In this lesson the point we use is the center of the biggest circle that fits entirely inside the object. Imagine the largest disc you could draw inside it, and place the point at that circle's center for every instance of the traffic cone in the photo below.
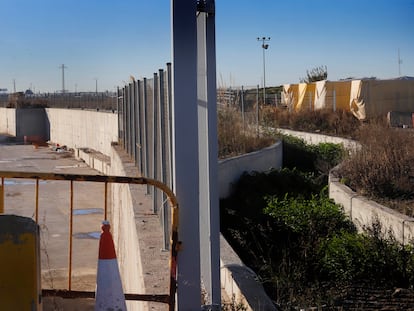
(109, 293)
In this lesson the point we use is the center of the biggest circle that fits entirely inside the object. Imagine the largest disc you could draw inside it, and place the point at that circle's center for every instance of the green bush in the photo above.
(370, 258)
(320, 158)
(301, 244)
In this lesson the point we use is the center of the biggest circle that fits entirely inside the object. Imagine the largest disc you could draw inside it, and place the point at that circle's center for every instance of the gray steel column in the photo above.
(162, 172)
(208, 155)
(155, 145)
(147, 132)
(185, 150)
(139, 126)
(134, 125)
(169, 127)
(124, 118)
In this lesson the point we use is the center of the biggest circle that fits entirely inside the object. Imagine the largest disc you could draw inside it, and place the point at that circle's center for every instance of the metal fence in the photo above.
(78, 100)
(168, 298)
(145, 127)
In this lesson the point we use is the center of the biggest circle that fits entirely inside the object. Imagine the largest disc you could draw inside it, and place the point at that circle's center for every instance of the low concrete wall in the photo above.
(364, 212)
(8, 121)
(73, 128)
(231, 169)
(83, 128)
(314, 139)
(240, 282)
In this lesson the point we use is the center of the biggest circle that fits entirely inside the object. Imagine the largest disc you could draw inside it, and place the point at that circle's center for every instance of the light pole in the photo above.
(265, 46)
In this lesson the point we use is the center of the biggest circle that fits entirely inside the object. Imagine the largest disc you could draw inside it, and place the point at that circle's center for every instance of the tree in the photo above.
(315, 74)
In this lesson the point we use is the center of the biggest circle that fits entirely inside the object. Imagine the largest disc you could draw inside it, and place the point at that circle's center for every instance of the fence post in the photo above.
(207, 155)
(155, 141)
(185, 150)
(242, 106)
(133, 121)
(257, 111)
(139, 127)
(163, 127)
(147, 127)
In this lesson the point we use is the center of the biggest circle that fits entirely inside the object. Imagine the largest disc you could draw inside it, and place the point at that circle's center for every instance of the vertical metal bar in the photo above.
(208, 150)
(130, 127)
(138, 127)
(146, 143)
(2, 196)
(155, 139)
(133, 121)
(106, 201)
(37, 201)
(169, 126)
(124, 116)
(162, 173)
(242, 107)
(257, 111)
(119, 114)
(185, 137)
(70, 236)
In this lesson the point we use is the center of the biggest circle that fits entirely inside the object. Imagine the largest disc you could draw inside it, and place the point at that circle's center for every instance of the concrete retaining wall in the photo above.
(231, 169)
(364, 212)
(124, 229)
(8, 121)
(73, 128)
(83, 128)
(314, 139)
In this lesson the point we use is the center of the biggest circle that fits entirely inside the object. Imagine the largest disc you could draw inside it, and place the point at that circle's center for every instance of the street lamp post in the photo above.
(265, 46)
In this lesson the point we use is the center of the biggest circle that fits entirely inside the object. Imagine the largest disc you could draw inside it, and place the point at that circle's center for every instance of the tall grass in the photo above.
(236, 136)
(383, 168)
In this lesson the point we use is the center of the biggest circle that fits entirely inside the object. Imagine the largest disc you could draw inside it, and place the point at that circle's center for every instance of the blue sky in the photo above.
(111, 40)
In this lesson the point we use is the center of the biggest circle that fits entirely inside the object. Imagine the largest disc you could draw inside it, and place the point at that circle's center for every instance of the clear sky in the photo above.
(111, 40)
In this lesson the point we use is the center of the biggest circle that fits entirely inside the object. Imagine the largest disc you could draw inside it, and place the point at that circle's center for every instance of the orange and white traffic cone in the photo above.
(109, 293)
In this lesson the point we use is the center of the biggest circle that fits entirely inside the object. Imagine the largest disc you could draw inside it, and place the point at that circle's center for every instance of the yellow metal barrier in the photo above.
(174, 243)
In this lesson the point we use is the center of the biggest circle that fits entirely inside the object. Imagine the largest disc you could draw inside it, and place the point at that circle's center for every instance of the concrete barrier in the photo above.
(364, 212)
(230, 170)
(240, 282)
(315, 139)
(8, 121)
(83, 129)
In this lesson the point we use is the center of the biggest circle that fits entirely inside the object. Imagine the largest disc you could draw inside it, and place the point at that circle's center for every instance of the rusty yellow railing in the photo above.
(174, 244)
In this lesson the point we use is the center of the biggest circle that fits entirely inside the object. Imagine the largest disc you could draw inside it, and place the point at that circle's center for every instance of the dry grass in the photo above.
(237, 137)
(340, 123)
(384, 167)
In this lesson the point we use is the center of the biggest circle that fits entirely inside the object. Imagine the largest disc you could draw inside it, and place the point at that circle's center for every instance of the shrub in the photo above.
(319, 158)
(383, 167)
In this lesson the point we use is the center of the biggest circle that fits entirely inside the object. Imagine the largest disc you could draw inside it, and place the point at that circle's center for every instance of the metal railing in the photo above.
(174, 244)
